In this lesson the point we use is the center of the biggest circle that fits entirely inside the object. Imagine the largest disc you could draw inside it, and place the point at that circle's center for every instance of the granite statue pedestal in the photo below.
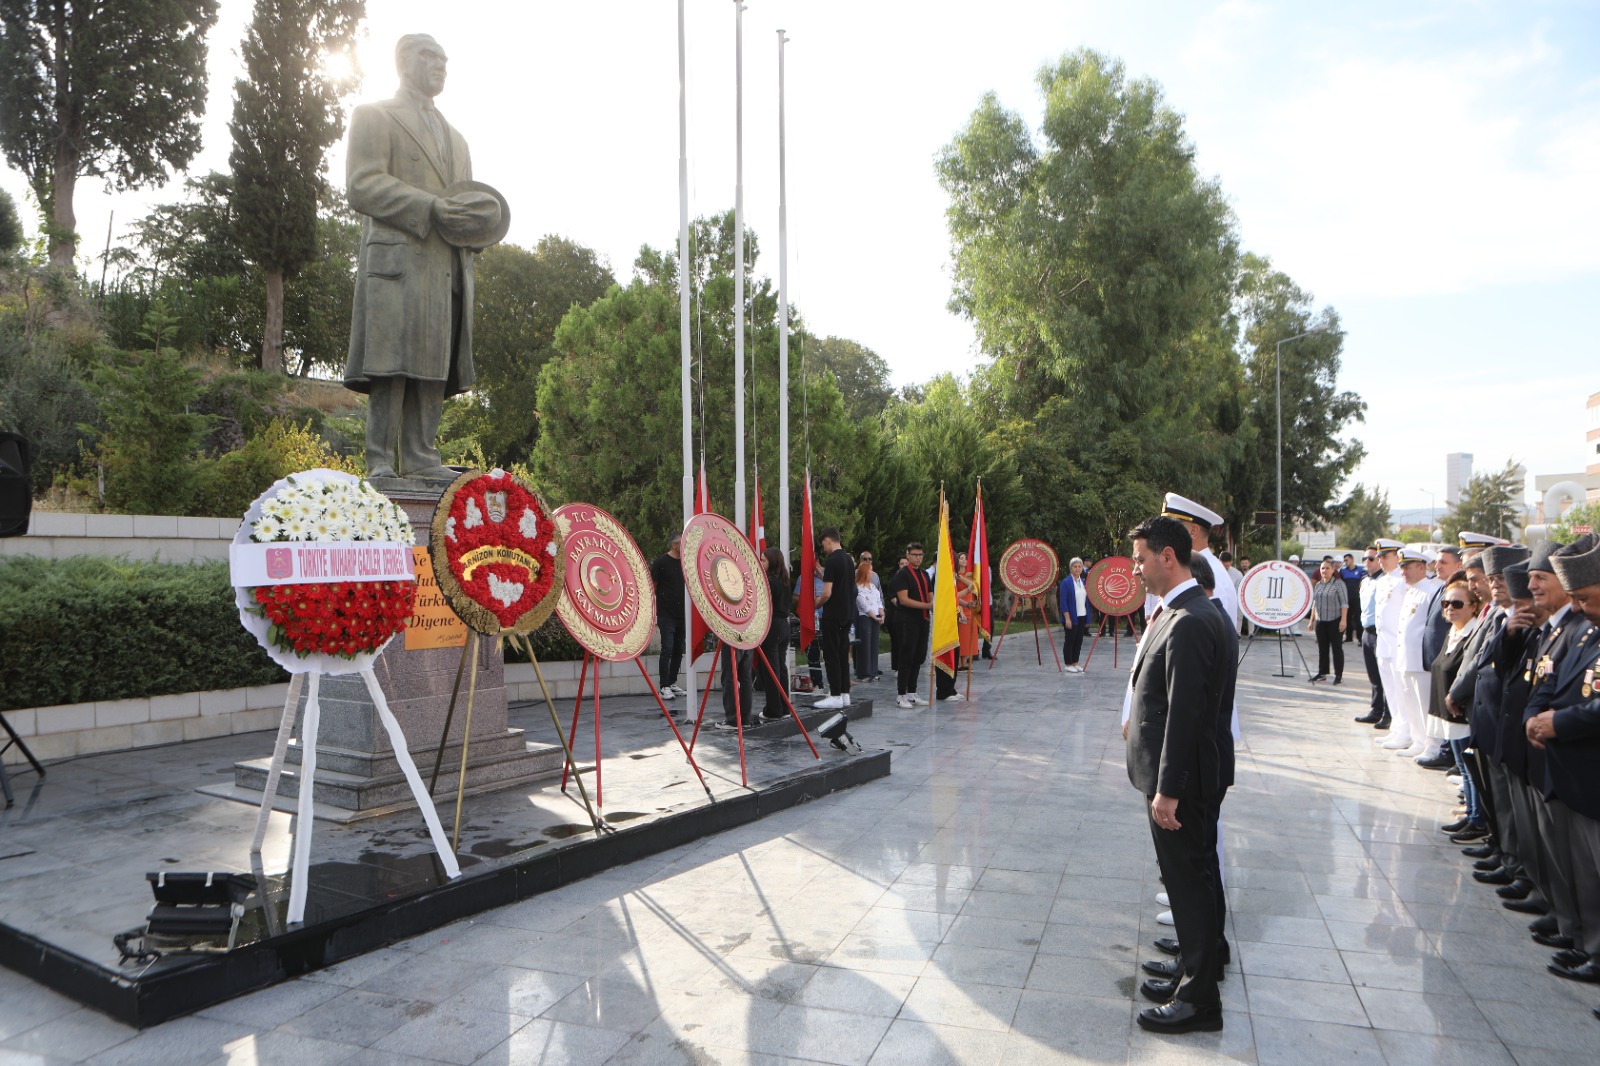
(357, 773)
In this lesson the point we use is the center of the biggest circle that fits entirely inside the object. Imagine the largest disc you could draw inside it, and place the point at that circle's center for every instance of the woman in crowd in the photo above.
(1329, 611)
(869, 622)
(772, 681)
(1072, 597)
(1460, 606)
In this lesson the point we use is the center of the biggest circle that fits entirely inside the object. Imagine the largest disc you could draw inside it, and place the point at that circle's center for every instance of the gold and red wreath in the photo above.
(503, 553)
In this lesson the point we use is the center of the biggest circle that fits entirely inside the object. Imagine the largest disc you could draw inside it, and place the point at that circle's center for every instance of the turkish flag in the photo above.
(698, 630)
(808, 570)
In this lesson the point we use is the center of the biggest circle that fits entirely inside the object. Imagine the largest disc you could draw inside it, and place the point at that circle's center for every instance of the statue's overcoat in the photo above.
(407, 276)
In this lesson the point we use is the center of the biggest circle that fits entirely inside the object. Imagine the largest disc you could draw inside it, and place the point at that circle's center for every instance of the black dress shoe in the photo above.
(1382, 723)
(1442, 761)
(1456, 826)
(1319, 677)
(1521, 888)
(1470, 833)
(1570, 957)
(1370, 717)
(1497, 876)
(1491, 863)
(1167, 944)
(1166, 969)
(1523, 906)
(1589, 972)
(1182, 1017)
(1486, 850)
(1159, 989)
(1553, 940)
(1546, 925)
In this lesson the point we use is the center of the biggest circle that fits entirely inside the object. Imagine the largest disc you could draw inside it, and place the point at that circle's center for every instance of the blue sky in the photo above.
(1428, 169)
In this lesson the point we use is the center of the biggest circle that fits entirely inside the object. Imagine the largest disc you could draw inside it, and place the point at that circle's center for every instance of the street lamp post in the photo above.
(1432, 503)
(1277, 373)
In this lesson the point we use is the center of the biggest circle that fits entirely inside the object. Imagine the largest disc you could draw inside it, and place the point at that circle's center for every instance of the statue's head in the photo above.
(421, 62)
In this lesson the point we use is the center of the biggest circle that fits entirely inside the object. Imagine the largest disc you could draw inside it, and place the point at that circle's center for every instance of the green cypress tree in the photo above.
(286, 113)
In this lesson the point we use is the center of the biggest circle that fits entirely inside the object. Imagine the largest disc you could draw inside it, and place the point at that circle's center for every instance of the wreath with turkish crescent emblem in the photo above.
(1028, 567)
(608, 602)
(725, 581)
(502, 549)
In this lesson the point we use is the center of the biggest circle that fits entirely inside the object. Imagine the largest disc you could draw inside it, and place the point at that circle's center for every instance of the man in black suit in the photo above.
(1563, 722)
(1179, 679)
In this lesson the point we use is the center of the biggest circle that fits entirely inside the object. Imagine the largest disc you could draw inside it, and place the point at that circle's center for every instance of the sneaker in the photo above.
(904, 703)
(669, 693)
(1396, 744)
(954, 697)
(846, 698)
(1163, 899)
(832, 703)
(1165, 918)
(918, 700)
(1074, 669)
(1416, 750)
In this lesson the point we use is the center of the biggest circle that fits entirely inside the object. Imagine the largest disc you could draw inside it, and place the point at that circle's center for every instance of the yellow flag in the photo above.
(946, 630)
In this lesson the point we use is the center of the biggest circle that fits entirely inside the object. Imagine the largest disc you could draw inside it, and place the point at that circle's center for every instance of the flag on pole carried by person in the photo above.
(978, 555)
(808, 567)
(946, 627)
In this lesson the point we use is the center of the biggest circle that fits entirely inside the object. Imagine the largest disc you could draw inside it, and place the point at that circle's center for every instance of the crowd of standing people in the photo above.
(1482, 660)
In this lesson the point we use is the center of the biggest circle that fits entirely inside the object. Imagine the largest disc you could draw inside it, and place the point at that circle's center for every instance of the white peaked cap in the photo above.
(1185, 509)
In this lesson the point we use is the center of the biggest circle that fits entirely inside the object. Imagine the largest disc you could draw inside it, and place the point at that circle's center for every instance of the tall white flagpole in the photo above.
(738, 271)
(783, 318)
(683, 331)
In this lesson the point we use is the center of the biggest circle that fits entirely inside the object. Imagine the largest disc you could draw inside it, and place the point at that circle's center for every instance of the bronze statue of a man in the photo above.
(409, 173)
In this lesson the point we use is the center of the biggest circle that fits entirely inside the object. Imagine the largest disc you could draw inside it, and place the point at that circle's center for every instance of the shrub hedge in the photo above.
(81, 629)
(87, 628)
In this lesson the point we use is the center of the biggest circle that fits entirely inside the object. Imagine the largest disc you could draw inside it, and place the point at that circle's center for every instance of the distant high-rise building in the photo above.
(1457, 472)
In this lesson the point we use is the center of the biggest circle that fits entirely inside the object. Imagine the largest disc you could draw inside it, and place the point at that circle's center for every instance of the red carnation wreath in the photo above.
(309, 620)
(503, 553)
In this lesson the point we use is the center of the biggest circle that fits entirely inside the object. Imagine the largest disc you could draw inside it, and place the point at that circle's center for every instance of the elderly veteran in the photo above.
(1480, 688)
(1563, 722)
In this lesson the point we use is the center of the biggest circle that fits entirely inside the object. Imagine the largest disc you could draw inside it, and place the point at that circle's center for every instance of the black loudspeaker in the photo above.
(16, 484)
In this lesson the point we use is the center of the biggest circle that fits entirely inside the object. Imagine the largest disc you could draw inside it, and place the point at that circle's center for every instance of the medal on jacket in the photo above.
(1546, 665)
(1588, 683)
(1527, 669)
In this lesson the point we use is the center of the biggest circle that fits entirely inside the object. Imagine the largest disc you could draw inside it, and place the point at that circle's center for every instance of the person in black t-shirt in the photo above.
(912, 594)
(838, 604)
(666, 573)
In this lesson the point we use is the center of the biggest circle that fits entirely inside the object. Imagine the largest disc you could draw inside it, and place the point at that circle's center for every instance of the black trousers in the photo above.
(671, 648)
(1328, 642)
(835, 639)
(772, 682)
(1369, 654)
(1188, 856)
(912, 638)
(1352, 624)
(1072, 642)
(746, 691)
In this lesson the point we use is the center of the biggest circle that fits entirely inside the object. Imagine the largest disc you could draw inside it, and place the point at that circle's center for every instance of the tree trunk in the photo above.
(63, 220)
(272, 339)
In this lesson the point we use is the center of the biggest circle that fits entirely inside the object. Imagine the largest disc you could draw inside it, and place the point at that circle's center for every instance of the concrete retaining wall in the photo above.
(72, 729)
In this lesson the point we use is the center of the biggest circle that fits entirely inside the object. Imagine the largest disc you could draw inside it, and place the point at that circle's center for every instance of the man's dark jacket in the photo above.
(1178, 686)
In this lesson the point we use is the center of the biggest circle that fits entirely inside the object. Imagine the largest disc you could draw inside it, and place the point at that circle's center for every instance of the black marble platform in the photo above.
(75, 850)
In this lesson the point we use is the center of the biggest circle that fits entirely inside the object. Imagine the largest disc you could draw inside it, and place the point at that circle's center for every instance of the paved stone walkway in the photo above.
(988, 903)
